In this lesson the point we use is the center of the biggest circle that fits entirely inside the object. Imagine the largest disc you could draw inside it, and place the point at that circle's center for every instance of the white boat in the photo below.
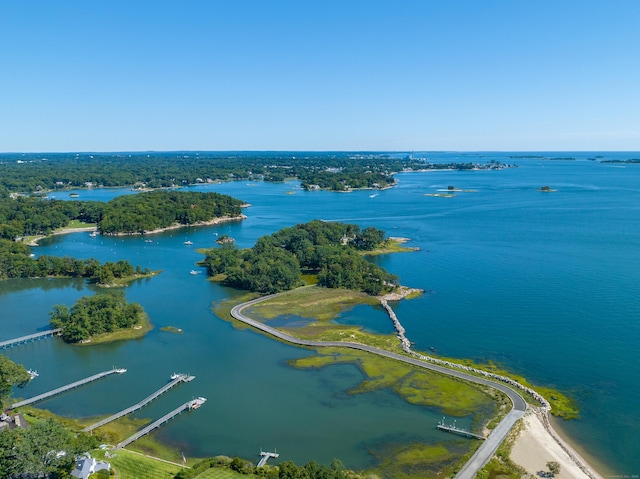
(188, 242)
(175, 376)
(93, 234)
(148, 241)
(193, 271)
(196, 403)
(33, 373)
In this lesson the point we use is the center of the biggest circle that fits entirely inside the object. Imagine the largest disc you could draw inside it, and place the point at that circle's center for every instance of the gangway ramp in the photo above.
(176, 379)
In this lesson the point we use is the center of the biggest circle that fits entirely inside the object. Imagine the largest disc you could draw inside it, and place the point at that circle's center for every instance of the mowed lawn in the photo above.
(223, 474)
(133, 466)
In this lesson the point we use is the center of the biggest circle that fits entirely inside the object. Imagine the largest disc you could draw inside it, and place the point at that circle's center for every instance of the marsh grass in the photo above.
(139, 330)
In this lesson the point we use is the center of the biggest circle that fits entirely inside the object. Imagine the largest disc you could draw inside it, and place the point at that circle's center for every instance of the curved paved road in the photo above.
(488, 447)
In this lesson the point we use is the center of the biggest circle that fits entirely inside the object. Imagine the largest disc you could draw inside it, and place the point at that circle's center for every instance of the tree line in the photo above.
(161, 209)
(16, 262)
(24, 216)
(58, 171)
(285, 470)
(94, 315)
(276, 263)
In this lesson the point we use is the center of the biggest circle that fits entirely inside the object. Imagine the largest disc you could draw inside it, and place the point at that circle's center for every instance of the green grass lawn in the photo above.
(134, 466)
(223, 474)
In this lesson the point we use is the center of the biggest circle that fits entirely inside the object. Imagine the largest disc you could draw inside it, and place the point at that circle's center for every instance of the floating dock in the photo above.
(62, 389)
(176, 379)
(265, 457)
(457, 430)
(189, 405)
(30, 337)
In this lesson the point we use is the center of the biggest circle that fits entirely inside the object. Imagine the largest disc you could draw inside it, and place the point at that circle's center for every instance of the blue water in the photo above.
(546, 284)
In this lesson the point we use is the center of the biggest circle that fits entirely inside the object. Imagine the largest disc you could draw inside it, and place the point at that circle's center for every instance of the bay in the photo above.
(545, 284)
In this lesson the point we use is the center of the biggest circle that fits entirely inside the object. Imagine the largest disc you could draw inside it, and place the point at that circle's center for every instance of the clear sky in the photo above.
(128, 75)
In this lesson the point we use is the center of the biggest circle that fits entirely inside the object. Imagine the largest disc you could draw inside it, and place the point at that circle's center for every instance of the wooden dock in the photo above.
(30, 337)
(62, 389)
(179, 378)
(189, 405)
(266, 456)
(457, 430)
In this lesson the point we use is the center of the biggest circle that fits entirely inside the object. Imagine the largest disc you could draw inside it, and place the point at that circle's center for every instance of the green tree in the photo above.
(554, 467)
(11, 374)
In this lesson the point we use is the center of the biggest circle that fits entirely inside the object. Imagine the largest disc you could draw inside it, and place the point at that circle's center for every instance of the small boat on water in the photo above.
(93, 234)
(33, 373)
(193, 271)
(196, 403)
(175, 376)
(188, 242)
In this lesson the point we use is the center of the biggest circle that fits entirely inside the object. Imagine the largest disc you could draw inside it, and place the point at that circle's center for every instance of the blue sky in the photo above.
(319, 75)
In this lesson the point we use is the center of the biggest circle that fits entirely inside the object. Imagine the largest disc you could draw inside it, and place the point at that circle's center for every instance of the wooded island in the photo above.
(333, 251)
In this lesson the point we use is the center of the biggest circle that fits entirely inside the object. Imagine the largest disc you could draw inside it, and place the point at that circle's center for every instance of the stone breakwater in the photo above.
(406, 347)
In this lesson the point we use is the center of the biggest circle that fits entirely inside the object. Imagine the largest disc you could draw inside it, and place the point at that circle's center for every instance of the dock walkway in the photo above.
(189, 405)
(30, 337)
(62, 389)
(180, 378)
(457, 430)
(265, 457)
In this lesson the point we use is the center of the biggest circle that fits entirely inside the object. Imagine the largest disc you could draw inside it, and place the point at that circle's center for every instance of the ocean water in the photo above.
(545, 284)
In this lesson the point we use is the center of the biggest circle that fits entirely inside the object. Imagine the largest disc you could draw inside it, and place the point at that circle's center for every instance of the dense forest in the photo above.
(30, 216)
(16, 262)
(161, 209)
(277, 262)
(24, 216)
(97, 314)
(31, 172)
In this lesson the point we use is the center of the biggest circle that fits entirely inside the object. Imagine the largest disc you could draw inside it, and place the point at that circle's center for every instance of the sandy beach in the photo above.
(536, 445)
(215, 221)
(34, 241)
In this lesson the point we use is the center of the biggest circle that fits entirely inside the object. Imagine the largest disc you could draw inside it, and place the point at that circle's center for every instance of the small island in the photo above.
(224, 239)
(332, 252)
(100, 318)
